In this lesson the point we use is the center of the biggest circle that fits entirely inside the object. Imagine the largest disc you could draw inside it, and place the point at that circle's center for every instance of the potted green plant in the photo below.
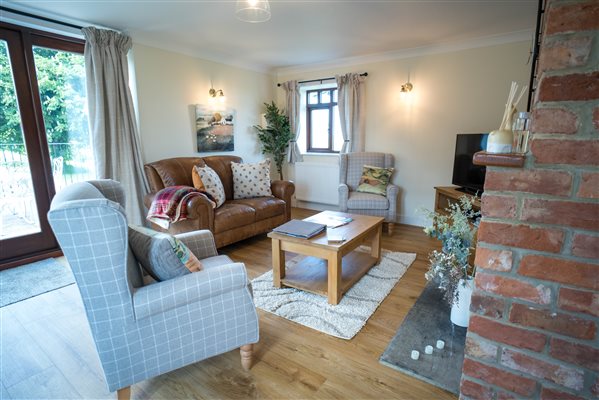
(275, 136)
(450, 267)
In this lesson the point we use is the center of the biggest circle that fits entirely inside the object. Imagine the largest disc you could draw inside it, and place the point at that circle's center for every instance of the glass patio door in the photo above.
(44, 138)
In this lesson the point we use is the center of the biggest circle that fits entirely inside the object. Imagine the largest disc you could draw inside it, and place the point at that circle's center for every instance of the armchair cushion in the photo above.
(162, 256)
(212, 184)
(374, 180)
(251, 180)
(367, 201)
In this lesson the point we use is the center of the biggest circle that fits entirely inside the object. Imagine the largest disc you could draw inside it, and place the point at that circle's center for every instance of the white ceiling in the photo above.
(299, 32)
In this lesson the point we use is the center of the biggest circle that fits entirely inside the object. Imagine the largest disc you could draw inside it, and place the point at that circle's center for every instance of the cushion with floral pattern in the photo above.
(374, 180)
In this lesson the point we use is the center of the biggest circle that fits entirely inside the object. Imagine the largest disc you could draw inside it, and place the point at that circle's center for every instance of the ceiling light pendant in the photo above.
(252, 10)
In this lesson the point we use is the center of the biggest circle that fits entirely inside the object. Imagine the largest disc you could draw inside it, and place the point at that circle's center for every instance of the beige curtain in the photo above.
(112, 118)
(293, 113)
(350, 89)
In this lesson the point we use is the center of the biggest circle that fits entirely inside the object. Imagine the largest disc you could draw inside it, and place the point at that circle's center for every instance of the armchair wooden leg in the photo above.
(246, 356)
(124, 393)
(390, 227)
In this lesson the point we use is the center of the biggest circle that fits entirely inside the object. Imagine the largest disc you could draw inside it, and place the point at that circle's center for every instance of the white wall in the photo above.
(169, 84)
(458, 92)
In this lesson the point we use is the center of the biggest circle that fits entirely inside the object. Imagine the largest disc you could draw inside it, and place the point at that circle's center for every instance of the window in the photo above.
(323, 129)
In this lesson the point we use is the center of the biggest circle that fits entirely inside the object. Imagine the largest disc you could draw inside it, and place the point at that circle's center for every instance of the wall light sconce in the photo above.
(217, 94)
(406, 87)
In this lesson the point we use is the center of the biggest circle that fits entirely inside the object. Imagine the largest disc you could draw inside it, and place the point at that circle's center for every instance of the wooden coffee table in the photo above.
(330, 268)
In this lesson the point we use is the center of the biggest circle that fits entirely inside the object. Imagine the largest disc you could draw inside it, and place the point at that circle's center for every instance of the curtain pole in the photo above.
(321, 79)
(29, 15)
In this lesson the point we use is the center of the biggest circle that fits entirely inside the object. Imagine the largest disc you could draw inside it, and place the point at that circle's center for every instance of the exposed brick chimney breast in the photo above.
(535, 309)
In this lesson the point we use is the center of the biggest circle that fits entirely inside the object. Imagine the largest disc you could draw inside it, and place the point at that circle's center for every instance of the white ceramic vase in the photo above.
(500, 141)
(460, 310)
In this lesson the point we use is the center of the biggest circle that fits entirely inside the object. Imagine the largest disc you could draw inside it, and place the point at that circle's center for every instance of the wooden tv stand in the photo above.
(445, 195)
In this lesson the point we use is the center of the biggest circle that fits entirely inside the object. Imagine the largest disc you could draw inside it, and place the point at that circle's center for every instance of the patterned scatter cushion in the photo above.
(374, 180)
(212, 184)
(162, 256)
(197, 181)
(251, 180)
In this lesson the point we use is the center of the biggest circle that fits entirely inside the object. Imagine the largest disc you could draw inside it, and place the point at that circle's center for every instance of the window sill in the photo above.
(321, 154)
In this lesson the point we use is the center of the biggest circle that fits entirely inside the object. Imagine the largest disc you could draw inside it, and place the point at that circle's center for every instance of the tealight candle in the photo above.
(440, 344)
(415, 355)
(428, 349)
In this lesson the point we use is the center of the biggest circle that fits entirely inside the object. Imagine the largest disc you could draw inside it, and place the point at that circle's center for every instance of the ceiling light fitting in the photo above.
(253, 11)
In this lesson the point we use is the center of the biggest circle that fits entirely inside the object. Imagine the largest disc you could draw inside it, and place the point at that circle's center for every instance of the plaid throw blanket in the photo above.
(170, 205)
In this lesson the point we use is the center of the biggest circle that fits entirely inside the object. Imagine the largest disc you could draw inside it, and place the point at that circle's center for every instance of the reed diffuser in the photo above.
(500, 141)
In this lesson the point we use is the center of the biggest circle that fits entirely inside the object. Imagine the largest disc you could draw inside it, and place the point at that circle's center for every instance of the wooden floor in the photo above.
(47, 350)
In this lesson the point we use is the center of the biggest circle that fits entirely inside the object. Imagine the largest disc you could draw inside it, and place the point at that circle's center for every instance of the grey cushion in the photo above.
(358, 200)
(154, 251)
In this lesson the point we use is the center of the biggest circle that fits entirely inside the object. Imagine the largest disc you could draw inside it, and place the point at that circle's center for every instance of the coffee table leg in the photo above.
(375, 245)
(278, 263)
(334, 278)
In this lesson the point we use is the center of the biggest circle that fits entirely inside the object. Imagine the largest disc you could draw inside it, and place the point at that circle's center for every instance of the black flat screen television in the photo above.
(470, 177)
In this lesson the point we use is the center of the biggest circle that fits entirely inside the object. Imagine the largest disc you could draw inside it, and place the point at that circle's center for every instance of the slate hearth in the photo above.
(425, 323)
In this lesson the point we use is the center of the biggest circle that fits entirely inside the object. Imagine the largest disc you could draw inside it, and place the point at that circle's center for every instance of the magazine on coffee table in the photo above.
(331, 221)
(301, 229)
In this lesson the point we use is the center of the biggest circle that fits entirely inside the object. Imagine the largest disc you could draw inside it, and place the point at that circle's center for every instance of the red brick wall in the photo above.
(534, 316)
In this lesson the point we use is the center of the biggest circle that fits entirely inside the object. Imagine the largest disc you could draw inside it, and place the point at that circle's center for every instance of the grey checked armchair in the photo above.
(142, 331)
(350, 201)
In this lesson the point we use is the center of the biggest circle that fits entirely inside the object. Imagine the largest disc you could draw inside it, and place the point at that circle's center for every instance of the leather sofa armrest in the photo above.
(148, 198)
(200, 208)
(200, 215)
(283, 190)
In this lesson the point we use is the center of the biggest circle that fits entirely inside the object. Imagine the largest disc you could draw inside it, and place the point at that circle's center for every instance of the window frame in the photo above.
(320, 106)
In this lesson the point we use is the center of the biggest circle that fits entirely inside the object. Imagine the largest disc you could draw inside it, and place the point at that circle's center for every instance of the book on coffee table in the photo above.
(299, 228)
(331, 221)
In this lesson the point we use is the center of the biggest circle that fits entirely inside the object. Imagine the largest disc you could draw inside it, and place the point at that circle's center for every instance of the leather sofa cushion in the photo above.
(265, 207)
(233, 215)
(171, 172)
(363, 201)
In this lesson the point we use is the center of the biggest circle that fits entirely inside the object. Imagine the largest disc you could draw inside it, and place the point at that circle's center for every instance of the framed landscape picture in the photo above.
(215, 128)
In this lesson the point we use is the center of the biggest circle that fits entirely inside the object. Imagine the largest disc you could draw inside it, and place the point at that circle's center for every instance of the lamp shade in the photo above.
(252, 10)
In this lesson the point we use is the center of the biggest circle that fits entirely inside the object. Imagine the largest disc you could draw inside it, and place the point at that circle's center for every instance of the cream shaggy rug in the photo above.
(346, 318)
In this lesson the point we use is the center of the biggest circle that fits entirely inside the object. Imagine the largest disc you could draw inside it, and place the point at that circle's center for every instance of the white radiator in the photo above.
(317, 182)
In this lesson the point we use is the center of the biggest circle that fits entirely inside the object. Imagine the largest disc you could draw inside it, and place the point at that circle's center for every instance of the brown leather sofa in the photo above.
(233, 221)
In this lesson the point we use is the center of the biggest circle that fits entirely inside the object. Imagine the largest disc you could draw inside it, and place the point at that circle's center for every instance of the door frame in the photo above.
(24, 249)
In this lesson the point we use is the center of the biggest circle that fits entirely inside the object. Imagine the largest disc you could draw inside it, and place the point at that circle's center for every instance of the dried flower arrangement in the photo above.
(457, 234)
